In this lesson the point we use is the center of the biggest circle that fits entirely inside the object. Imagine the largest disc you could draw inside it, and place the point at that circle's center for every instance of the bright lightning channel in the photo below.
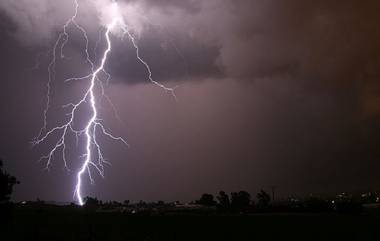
(94, 124)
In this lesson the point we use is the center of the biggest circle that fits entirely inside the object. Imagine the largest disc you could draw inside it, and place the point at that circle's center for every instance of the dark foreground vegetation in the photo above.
(233, 217)
(72, 223)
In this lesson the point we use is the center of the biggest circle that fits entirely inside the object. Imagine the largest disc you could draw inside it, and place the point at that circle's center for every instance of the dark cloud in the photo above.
(171, 58)
(314, 40)
(167, 6)
(269, 38)
(271, 92)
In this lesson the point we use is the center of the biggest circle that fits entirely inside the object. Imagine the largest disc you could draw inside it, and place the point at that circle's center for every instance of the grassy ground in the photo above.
(66, 224)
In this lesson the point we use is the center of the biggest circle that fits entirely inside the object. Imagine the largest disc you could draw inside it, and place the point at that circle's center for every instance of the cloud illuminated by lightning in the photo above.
(92, 154)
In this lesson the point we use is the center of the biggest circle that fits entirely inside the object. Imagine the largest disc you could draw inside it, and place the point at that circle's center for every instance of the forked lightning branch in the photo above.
(92, 154)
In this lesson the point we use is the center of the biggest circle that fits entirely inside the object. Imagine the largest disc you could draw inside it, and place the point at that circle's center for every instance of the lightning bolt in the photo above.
(93, 153)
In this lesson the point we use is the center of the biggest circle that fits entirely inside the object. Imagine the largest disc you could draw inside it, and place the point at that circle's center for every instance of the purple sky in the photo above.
(282, 93)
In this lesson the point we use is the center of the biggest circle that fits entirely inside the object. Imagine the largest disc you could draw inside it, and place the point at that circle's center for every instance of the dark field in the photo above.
(68, 224)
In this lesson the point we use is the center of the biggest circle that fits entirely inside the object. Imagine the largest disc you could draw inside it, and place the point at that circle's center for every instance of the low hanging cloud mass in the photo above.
(248, 39)
(271, 92)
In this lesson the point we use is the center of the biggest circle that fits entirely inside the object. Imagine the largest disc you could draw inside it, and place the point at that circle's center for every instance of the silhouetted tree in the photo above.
(126, 202)
(6, 184)
(116, 204)
(224, 200)
(240, 201)
(206, 200)
(91, 202)
(263, 198)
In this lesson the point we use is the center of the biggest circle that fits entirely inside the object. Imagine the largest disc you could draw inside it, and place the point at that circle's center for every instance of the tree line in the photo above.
(237, 201)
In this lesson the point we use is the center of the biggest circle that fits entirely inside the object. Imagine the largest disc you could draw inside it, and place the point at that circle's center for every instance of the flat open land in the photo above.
(66, 224)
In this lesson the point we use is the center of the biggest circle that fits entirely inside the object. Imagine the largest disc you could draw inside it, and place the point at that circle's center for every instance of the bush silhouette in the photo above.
(224, 201)
(263, 199)
(240, 201)
(7, 182)
(206, 200)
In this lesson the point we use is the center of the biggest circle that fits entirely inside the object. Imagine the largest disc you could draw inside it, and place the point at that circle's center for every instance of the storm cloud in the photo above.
(248, 39)
(270, 92)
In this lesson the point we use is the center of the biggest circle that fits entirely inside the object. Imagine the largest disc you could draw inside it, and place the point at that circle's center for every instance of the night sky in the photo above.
(282, 93)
